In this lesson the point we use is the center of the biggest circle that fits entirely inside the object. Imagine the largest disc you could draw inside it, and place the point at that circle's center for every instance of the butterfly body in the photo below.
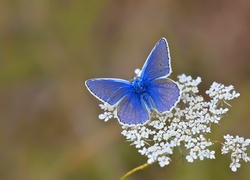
(139, 86)
(150, 92)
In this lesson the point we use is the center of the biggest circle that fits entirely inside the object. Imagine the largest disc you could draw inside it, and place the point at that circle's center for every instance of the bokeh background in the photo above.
(49, 127)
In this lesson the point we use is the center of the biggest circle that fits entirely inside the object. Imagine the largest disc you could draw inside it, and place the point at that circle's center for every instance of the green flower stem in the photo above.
(134, 170)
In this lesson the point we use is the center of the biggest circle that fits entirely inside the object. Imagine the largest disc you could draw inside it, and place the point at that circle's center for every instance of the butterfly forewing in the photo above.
(158, 62)
(109, 90)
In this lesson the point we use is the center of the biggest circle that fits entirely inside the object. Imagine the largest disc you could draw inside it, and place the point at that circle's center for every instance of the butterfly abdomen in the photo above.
(140, 88)
(147, 101)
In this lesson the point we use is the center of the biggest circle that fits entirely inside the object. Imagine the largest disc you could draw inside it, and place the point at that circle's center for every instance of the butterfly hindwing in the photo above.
(158, 62)
(109, 90)
(164, 93)
(131, 111)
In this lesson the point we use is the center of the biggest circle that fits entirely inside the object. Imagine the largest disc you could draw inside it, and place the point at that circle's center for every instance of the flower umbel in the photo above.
(238, 147)
(186, 126)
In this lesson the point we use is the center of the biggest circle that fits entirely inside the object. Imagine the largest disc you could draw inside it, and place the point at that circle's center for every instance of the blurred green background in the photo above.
(49, 127)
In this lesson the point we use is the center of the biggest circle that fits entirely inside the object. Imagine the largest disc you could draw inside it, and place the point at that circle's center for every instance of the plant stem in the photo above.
(134, 170)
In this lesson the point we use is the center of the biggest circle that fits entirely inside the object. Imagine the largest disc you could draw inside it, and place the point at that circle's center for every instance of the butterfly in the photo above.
(151, 92)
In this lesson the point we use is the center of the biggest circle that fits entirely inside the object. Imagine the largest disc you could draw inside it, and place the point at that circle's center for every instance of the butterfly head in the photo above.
(139, 85)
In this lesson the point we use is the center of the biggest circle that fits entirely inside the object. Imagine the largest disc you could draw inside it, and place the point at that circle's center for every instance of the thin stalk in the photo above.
(134, 170)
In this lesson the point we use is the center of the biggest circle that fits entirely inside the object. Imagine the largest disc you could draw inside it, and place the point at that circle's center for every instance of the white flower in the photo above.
(222, 92)
(138, 72)
(237, 146)
(109, 112)
(143, 151)
(163, 161)
(191, 157)
(234, 166)
(185, 127)
(202, 154)
(139, 143)
(210, 154)
(107, 107)
(106, 116)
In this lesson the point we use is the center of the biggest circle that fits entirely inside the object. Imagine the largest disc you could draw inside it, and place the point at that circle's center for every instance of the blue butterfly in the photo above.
(151, 92)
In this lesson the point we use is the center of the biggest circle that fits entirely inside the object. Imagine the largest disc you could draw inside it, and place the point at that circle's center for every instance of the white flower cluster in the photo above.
(184, 128)
(238, 147)
(109, 112)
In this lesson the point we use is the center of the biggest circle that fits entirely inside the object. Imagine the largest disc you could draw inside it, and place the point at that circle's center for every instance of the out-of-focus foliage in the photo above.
(49, 127)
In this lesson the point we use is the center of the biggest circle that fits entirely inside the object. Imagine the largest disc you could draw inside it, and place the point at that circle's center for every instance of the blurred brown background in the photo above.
(49, 127)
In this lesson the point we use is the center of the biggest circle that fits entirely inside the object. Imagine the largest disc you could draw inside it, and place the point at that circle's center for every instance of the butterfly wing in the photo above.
(109, 90)
(164, 93)
(131, 111)
(158, 62)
